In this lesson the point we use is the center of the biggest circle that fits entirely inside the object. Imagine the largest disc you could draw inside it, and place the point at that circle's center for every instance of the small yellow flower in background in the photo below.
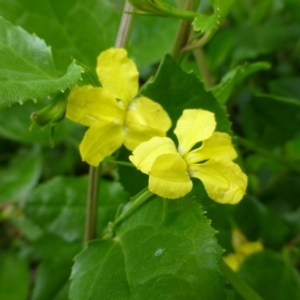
(111, 112)
(242, 248)
(170, 169)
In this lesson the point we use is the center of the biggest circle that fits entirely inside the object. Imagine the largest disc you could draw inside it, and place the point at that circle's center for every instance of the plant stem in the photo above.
(184, 30)
(91, 207)
(125, 26)
(200, 58)
(92, 198)
(135, 203)
(239, 284)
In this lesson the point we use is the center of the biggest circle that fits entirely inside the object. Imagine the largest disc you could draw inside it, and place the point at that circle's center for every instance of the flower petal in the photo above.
(218, 146)
(88, 105)
(169, 177)
(146, 153)
(224, 181)
(193, 126)
(118, 74)
(144, 120)
(100, 141)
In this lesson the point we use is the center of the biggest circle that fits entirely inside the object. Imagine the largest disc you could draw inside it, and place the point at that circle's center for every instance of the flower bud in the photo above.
(50, 115)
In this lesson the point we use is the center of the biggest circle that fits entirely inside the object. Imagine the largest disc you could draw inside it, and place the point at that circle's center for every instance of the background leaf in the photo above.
(165, 250)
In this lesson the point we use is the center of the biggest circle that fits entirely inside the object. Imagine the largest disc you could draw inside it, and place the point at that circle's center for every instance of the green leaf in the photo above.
(26, 67)
(58, 205)
(224, 89)
(177, 90)
(271, 276)
(211, 23)
(285, 87)
(20, 177)
(14, 276)
(165, 250)
(55, 254)
(271, 127)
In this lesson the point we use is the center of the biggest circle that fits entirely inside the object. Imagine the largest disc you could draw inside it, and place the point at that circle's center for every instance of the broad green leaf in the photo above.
(271, 127)
(58, 206)
(211, 23)
(271, 276)
(54, 270)
(20, 177)
(26, 67)
(14, 276)
(177, 90)
(165, 250)
(224, 89)
(15, 122)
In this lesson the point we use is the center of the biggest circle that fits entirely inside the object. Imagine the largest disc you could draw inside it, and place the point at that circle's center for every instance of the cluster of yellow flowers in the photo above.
(116, 115)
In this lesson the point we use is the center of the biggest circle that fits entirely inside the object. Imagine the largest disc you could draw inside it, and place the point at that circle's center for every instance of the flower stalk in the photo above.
(92, 198)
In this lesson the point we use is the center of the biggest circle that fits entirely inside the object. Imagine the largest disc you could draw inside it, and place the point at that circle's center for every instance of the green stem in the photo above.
(135, 203)
(184, 30)
(200, 58)
(240, 285)
(92, 199)
(125, 26)
(123, 163)
(263, 152)
(91, 207)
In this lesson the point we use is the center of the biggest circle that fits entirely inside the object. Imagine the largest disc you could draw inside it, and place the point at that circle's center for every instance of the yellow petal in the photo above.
(169, 177)
(224, 181)
(144, 120)
(218, 146)
(195, 125)
(146, 153)
(100, 141)
(88, 105)
(118, 74)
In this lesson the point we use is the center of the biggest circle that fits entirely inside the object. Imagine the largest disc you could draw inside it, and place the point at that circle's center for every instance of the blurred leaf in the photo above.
(58, 205)
(271, 276)
(14, 276)
(27, 70)
(224, 89)
(286, 87)
(15, 121)
(176, 90)
(207, 23)
(293, 7)
(82, 29)
(165, 250)
(271, 127)
(54, 271)
(20, 177)
(258, 222)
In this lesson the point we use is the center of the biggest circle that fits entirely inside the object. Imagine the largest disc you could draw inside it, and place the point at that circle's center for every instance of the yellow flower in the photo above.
(111, 112)
(170, 169)
(242, 248)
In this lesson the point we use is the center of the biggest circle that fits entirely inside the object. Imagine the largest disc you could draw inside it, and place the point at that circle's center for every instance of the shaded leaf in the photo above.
(20, 177)
(224, 89)
(58, 205)
(14, 276)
